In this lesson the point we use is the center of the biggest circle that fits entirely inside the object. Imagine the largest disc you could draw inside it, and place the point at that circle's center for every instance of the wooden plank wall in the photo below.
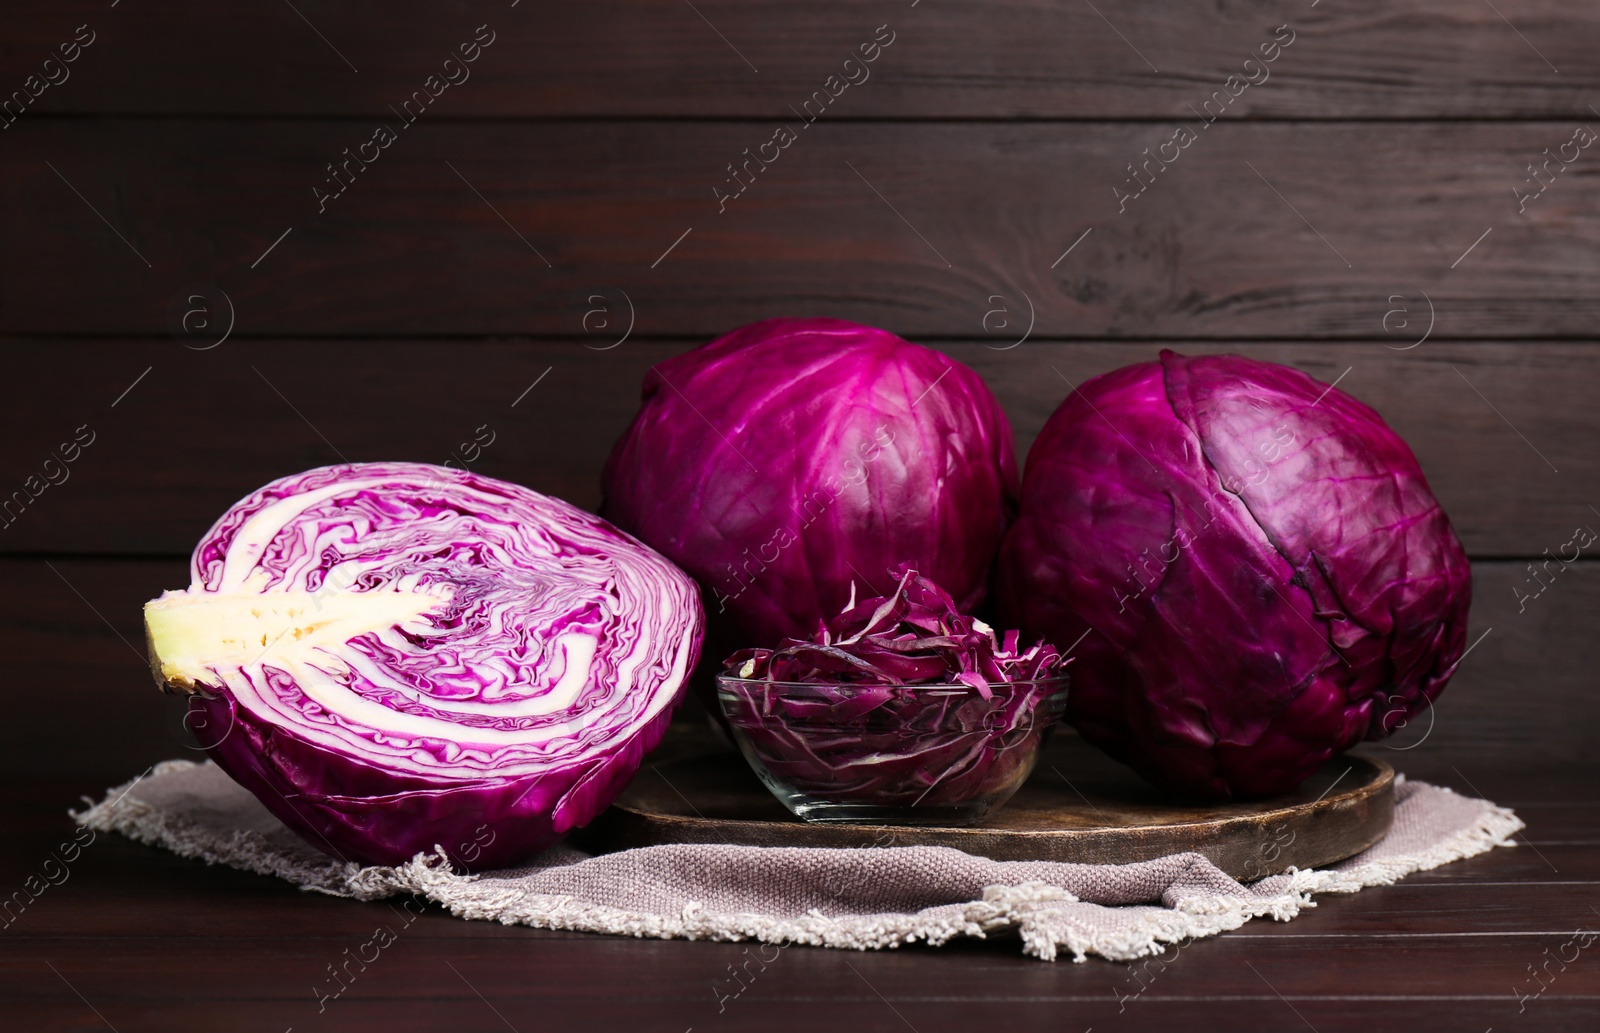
(1381, 225)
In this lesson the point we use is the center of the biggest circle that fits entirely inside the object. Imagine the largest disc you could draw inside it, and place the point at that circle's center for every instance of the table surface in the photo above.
(212, 276)
(134, 938)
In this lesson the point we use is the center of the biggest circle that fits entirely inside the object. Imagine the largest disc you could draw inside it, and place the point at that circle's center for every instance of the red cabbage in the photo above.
(915, 636)
(899, 700)
(398, 656)
(1266, 575)
(787, 460)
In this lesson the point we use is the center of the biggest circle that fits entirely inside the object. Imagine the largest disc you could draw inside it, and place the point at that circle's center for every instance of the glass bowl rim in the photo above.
(1061, 679)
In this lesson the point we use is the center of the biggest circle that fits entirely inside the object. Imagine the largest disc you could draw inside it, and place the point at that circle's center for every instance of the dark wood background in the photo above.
(483, 268)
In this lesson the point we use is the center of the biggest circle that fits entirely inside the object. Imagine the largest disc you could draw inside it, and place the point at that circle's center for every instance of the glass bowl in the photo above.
(891, 754)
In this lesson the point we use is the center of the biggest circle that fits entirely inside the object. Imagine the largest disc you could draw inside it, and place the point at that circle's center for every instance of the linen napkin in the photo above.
(865, 898)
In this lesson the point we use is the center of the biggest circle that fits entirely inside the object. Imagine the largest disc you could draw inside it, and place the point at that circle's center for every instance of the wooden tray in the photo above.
(1078, 806)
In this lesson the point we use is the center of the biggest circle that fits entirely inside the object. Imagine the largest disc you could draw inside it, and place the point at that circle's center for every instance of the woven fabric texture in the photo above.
(855, 899)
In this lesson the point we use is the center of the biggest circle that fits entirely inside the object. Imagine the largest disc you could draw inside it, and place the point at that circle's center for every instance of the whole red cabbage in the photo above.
(1263, 573)
(398, 656)
(784, 461)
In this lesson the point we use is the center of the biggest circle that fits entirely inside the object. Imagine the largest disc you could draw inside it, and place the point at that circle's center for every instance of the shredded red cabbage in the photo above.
(901, 700)
(912, 637)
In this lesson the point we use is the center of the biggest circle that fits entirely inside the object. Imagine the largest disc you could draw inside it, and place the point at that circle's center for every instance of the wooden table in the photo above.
(152, 942)
(208, 281)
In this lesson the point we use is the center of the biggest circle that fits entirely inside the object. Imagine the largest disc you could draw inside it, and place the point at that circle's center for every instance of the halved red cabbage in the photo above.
(398, 656)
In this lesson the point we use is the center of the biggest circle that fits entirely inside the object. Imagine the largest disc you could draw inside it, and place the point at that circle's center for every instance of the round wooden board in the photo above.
(1079, 806)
